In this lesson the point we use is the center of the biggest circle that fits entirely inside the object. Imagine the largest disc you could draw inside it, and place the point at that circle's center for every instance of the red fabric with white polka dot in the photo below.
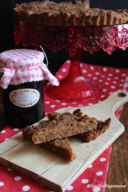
(93, 179)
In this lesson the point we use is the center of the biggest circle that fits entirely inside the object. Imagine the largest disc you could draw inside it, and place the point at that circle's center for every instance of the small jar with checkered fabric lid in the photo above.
(22, 75)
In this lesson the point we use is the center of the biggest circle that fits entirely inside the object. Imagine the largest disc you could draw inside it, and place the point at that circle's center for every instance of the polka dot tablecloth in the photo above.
(93, 179)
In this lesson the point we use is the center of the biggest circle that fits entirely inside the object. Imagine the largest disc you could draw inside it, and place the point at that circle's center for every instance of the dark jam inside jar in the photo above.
(20, 116)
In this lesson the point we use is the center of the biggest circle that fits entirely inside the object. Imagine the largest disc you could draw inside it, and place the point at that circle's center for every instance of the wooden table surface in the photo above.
(117, 179)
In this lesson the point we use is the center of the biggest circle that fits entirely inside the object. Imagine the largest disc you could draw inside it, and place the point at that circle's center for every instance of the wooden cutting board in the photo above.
(49, 169)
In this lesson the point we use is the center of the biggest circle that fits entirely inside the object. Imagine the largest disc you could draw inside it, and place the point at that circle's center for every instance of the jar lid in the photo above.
(23, 65)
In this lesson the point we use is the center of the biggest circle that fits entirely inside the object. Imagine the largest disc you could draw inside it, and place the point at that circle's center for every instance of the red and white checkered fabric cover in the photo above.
(23, 65)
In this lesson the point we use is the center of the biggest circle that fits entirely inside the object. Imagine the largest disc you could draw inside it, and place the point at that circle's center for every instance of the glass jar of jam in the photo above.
(22, 75)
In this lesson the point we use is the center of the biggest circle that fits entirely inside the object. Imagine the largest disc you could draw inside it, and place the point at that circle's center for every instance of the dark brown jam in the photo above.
(20, 116)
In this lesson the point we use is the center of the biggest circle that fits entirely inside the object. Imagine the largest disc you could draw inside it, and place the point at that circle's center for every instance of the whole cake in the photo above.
(67, 14)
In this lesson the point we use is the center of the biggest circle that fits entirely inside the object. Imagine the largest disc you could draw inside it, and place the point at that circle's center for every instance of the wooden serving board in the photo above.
(49, 169)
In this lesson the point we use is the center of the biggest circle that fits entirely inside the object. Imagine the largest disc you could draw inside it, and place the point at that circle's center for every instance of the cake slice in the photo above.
(102, 126)
(60, 147)
(91, 135)
(62, 126)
